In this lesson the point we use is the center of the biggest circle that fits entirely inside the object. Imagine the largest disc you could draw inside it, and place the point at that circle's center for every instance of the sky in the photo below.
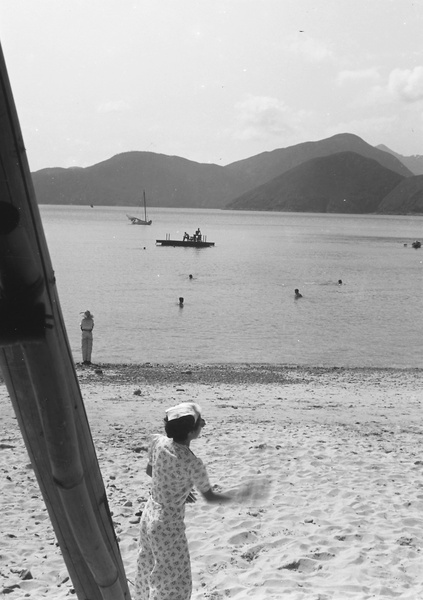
(213, 81)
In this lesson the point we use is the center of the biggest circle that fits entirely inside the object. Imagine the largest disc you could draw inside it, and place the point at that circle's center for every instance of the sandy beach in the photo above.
(335, 454)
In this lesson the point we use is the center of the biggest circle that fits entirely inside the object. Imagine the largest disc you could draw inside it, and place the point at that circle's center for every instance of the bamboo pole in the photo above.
(38, 368)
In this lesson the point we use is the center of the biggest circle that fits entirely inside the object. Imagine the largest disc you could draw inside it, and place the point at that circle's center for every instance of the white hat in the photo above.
(183, 410)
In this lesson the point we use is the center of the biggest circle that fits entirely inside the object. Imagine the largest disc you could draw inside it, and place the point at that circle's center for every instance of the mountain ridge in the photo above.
(346, 182)
(267, 165)
(176, 182)
(414, 162)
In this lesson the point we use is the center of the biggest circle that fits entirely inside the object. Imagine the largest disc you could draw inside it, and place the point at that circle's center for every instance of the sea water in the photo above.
(239, 305)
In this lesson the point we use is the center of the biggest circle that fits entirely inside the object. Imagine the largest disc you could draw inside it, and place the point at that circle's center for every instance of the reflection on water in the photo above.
(240, 306)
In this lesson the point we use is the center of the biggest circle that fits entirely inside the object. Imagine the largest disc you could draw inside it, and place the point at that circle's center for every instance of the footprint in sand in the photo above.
(218, 566)
(323, 555)
(303, 565)
(252, 553)
(242, 538)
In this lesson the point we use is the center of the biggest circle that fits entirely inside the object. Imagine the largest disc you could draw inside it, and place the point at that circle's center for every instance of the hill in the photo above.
(405, 199)
(413, 163)
(268, 165)
(343, 183)
(169, 181)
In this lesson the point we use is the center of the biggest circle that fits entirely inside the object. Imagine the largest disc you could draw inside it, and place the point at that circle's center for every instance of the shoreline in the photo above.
(260, 373)
(227, 372)
(336, 449)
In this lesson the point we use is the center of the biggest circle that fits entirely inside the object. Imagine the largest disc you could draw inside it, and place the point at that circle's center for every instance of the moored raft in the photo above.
(193, 241)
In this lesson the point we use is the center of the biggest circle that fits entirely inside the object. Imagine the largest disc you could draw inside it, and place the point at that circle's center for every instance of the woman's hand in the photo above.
(252, 492)
(191, 498)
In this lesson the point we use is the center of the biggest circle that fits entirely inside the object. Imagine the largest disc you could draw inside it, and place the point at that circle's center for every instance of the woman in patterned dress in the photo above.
(163, 566)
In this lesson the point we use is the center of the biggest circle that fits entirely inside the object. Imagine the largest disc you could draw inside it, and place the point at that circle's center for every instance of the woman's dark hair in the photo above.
(178, 429)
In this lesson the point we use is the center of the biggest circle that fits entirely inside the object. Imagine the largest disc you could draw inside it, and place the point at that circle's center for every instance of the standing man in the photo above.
(87, 326)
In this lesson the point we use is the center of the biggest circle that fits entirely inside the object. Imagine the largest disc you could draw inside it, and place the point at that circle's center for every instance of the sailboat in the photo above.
(137, 220)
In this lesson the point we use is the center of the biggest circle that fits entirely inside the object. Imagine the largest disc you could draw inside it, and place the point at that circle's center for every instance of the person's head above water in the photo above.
(183, 419)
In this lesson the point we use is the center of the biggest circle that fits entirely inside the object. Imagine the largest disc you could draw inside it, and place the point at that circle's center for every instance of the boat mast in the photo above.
(145, 207)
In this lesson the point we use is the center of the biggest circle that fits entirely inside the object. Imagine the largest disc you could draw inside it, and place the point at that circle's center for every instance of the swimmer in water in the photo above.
(297, 294)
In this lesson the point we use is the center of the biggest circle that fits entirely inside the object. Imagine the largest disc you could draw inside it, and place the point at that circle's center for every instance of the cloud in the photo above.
(113, 106)
(262, 116)
(406, 84)
(311, 49)
(403, 87)
(364, 75)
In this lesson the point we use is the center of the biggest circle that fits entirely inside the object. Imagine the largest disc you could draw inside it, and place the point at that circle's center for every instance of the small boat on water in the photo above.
(416, 244)
(191, 241)
(137, 220)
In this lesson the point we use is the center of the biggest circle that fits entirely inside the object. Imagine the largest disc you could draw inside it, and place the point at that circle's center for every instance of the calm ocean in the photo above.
(240, 306)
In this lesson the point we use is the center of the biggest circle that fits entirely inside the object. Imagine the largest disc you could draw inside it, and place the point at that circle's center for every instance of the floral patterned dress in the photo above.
(163, 566)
